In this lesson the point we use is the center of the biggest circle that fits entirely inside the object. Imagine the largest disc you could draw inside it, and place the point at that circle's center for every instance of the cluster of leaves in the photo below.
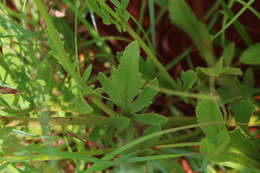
(56, 99)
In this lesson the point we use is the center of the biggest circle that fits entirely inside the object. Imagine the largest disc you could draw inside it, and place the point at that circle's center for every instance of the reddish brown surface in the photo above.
(186, 166)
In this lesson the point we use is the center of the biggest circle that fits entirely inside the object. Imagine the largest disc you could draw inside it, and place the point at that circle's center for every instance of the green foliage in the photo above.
(151, 119)
(125, 82)
(63, 107)
(182, 16)
(218, 69)
(242, 111)
(251, 55)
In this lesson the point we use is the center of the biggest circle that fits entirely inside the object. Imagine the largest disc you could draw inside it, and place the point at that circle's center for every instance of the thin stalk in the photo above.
(142, 44)
(151, 55)
(112, 154)
(246, 6)
(186, 144)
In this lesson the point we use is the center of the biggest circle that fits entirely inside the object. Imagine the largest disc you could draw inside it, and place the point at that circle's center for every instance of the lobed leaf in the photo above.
(145, 98)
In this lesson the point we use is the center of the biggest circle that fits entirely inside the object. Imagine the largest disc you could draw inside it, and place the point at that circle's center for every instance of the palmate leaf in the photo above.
(125, 82)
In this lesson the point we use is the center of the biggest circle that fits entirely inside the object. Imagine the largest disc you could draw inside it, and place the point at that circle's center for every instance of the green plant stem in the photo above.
(62, 56)
(102, 106)
(180, 138)
(187, 144)
(246, 6)
(112, 154)
(142, 44)
(151, 55)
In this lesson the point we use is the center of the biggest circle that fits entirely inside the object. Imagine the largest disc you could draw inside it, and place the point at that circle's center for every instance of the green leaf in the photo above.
(125, 82)
(232, 89)
(251, 55)
(87, 73)
(182, 16)
(151, 119)
(145, 98)
(95, 134)
(102, 13)
(249, 78)
(218, 69)
(189, 78)
(119, 123)
(242, 142)
(214, 149)
(242, 110)
(208, 111)
(228, 54)
(81, 105)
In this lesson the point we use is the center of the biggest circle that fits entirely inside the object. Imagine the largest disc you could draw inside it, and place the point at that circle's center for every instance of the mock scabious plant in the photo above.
(62, 109)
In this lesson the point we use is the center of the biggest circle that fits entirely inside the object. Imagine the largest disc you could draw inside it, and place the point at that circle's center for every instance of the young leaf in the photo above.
(251, 56)
(218, 69)
(151, 119)
(228, 54)
(189, 78)
(182, 16)
(145, 98)
(125, 82)
(242, 110)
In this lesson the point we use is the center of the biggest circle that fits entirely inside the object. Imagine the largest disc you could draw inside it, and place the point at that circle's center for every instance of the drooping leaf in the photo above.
(182, 16)
(251, 55)
(145, 98)
(151, 119)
